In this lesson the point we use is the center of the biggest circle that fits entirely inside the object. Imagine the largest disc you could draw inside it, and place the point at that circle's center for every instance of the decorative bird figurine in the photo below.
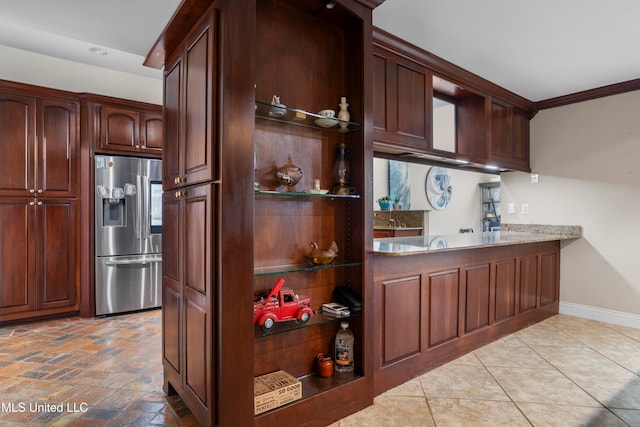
(323, 256)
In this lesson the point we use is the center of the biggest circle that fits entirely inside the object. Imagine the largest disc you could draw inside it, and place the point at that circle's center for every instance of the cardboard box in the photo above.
(273, 390)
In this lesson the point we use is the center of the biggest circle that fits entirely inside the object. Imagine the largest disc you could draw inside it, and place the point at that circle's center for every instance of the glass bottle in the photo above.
(344, 365)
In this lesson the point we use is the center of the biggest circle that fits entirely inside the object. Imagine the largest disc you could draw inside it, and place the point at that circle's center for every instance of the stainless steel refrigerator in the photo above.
(128, 234)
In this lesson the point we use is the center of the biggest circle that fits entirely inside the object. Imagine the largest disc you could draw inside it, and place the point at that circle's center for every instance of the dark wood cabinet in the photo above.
(509, 136)
(38, 261)
(216, 80)
(491, 123)
(402, 101)
(188, 299)
(433, 307)
(39, 159)
(129, 129)
(39, 150)
(190, 90)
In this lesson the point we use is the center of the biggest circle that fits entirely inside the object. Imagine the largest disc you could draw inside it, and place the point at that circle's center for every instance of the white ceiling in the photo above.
(538, 49)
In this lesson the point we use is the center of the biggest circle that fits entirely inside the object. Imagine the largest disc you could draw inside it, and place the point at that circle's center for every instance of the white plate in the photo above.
(326, 123)
(312, 191)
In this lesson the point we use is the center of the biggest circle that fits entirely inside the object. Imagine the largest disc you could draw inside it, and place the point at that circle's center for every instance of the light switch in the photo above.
(512, 208)
(535, 178)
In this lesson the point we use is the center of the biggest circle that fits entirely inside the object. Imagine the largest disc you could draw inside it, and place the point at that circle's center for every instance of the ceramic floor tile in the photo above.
(446, 381)
(629, 416)
(410, 388)
(546, 334)
(502, 354)
(476, 413)
(389, 411)
(540, 386)
(564, 415)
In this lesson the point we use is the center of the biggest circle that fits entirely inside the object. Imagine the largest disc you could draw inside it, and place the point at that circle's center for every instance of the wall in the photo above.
(463, 210)
(587, 156)
(41, 70)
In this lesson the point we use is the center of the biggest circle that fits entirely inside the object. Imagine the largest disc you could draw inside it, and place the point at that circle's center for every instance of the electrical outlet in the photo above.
(535, 178)
(525, 209)
(512, 208)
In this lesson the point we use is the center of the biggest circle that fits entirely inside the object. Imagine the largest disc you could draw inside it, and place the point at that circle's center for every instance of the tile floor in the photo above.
(565, 371)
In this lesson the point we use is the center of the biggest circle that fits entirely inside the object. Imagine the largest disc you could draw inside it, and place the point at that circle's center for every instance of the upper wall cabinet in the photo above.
(427, 107)
(190, 108)
(130, 129)
(38, 155)
(401, 101)
(509, 136)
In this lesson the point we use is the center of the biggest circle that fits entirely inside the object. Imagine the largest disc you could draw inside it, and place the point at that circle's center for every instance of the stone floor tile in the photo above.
(445, 381)
(564, 415)
(476, 413)
(629, 416)
(391, 411)
(500, 353)
(540, 386)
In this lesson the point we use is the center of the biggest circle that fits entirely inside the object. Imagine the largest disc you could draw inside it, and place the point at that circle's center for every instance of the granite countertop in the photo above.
(509, 235)
(382, 227)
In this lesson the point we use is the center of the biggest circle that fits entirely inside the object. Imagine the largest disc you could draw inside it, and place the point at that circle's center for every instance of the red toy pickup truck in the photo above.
(279, 305)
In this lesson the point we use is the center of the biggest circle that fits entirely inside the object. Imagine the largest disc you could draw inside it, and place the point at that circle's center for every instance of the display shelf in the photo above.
(318, 318)
(303, 118)
(303, 194)
(313, 385)
(303, 267)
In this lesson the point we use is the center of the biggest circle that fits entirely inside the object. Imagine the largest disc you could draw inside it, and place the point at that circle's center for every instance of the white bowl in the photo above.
(326, 123)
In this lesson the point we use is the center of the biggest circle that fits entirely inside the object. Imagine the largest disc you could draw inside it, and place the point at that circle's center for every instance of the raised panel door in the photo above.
(505, 300)
(380, 102)
(198, 160)
(500, 141)
(17, 149)
(151, 133)
(412, 104)
(57, 260)
(17, 256)
(548, 278)
(528, 283)
(443, 306)
(402, 315)
(172, 130)
(520, 139)
(119, 129)
(477, 297)
(57, 127)
(198, 363)
(197, 238)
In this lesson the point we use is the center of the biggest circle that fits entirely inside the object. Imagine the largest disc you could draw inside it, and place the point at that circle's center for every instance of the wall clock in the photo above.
(438, 187)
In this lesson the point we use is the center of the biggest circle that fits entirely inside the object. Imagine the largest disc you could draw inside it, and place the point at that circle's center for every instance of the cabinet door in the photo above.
(198, 158)
(509, 136)
(151, 133)
(119, 129)
(172, 124)
(56, 257)
(172, 295)
(17, 256)
(57, 130)
(17, 151)
(198, 291)
(401, 101)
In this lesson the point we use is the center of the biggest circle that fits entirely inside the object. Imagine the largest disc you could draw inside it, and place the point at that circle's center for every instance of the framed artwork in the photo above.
(438, 187)
(399, 183)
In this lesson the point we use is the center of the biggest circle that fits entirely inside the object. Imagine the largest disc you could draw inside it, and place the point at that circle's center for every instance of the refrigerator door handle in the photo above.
(138, 220)
(134, 262)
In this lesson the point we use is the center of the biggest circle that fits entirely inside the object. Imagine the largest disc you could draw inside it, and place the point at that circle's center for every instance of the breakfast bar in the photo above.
(439, 297)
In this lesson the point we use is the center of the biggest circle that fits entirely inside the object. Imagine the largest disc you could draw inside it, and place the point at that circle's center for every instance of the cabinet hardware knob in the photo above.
(177, 194)
(183, 180)
(137, 147)
(31, 190)
(39, 203)
(32, 203)
(39, 191)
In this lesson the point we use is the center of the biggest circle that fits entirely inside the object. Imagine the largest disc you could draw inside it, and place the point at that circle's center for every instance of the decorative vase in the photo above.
(343, 114)
(385, 205)
(288, 174)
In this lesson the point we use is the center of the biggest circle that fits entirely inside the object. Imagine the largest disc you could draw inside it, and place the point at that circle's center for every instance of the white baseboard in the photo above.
(601, 314)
